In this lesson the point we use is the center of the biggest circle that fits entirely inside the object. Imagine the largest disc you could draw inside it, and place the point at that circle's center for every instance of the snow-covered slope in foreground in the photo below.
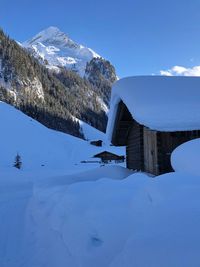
(59, 50)
(137, 221)
(95, 217)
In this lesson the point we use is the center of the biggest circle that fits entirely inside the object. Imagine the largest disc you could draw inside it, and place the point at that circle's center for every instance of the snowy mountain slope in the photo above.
(58, 50)
(27, 137)
(91, 133)
(41, 148)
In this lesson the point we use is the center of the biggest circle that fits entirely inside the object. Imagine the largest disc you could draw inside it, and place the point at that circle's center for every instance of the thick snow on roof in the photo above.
(159, 102)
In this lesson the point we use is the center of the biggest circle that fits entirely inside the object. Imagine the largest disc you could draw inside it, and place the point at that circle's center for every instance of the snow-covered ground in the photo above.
(81, 215)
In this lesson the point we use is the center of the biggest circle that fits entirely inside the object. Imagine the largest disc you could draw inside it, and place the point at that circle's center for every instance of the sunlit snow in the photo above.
(58, 212)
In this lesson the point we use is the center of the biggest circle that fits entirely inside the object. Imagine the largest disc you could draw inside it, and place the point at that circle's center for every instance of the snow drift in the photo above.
(186, 158)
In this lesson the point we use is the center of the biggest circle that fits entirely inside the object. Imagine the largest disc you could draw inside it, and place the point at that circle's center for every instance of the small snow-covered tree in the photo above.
(17, 162)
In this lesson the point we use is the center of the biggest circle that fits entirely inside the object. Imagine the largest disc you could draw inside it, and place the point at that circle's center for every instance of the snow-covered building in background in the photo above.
(107, 156)
(152, 115)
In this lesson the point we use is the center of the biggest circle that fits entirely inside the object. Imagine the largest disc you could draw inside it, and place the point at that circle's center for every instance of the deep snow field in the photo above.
(67, 213)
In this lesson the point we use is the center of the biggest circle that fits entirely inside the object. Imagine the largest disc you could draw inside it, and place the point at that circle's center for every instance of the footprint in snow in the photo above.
(95, 241)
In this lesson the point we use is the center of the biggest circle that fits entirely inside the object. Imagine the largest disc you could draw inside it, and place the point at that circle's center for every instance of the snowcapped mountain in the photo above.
(55, 98)
(55, 49)
(57, 52)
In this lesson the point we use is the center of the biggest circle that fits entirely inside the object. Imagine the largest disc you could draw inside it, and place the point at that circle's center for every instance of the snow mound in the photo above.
(137, 221)
(159, 102)
(111, 172)
(165, 230)
(186, 157)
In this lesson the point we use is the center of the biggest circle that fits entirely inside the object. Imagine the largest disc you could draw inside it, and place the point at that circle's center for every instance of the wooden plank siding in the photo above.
(135, 147)
(150, 151)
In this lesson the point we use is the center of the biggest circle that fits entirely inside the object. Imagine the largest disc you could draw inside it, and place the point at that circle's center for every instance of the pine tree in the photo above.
(17, 162)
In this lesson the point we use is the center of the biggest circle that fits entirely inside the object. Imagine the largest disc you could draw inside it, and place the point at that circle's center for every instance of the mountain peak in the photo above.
(49, 35)
(50, 31)
(55, 47)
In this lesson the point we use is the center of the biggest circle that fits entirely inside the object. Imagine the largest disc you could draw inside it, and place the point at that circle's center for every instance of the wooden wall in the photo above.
(135, 148)
(150, 151)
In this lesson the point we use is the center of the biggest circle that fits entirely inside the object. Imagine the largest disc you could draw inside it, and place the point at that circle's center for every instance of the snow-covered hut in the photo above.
(107, 156)
(151, 116)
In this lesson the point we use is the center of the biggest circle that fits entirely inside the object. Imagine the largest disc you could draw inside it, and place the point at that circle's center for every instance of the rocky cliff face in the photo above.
(101, 74)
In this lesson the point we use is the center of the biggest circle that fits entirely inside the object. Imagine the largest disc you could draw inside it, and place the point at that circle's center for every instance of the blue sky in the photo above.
(137, 36)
